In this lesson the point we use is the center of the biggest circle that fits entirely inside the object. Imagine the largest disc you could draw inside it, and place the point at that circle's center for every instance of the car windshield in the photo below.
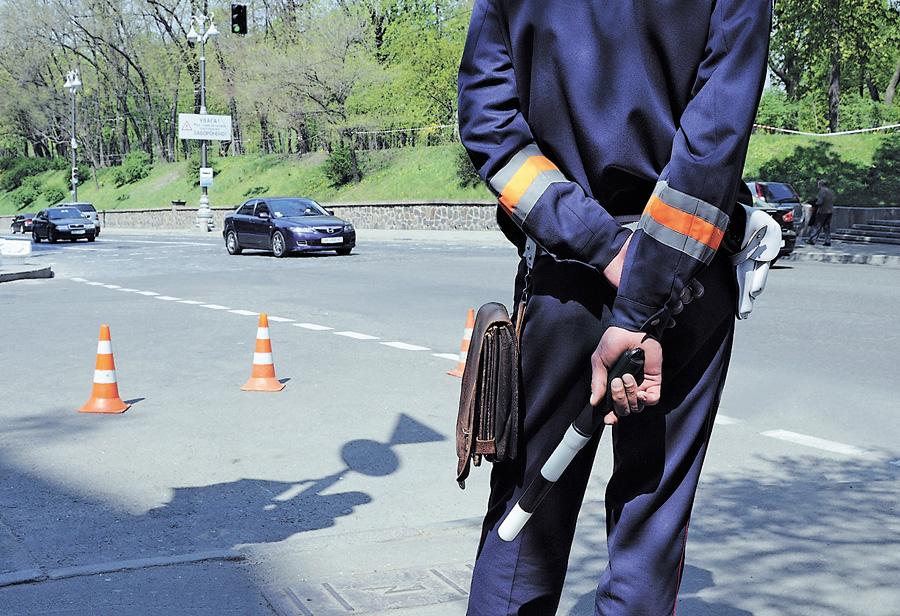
(64, 212)
(296, 207)
(84, 207)
(778, 193)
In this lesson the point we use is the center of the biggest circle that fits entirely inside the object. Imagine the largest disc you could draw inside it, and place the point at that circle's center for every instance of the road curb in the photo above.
(25, 272)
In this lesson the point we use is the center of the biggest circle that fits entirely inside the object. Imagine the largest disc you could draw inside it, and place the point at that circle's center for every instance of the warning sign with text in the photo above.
(204, 126)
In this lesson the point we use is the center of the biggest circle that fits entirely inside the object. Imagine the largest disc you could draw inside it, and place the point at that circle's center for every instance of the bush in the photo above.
(194, 166)
(256, 190)
(465, 170)
(135, 167)
(21, 168)
(339, 166)
(54, 194)
(23, 196)
(808, 164)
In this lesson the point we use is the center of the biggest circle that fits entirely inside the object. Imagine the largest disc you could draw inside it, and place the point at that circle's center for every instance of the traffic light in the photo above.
(74, 175)
(239, 18)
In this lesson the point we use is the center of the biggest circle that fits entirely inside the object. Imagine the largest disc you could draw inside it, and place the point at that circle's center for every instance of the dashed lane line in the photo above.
(817, 443)
(404, 346)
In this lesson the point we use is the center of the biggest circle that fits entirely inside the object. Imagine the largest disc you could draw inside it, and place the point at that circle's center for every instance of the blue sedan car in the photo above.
(286, 224)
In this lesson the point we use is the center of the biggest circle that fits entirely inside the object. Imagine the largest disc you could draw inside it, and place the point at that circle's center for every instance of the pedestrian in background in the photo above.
(823, 210)
(583, 116)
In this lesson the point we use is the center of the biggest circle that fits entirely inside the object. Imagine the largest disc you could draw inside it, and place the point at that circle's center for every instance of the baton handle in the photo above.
(576, 437)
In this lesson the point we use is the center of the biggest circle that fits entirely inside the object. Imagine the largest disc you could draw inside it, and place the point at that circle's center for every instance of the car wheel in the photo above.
(343, 251)
(51, 235)
(231, 244)
(35, 237)
(12, 228)
(91, 238)
(279, 245)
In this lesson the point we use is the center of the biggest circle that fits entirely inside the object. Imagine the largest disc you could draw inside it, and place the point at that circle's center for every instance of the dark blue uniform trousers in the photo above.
(657, 453)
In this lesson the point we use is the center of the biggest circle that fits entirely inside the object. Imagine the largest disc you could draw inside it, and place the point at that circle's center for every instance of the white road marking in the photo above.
(313, 326)
(725, 420)
(405, 347)
(818, 443)
(356, 335)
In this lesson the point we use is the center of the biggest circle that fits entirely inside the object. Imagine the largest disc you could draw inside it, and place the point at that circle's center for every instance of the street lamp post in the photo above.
(73, 84)
(207, 30)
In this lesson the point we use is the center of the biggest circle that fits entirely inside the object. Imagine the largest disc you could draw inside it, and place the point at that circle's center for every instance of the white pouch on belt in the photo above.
(761, 244)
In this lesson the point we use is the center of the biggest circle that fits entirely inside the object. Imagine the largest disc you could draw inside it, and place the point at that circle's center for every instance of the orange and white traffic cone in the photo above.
(262, 378)
(467, 340)
(105, 395)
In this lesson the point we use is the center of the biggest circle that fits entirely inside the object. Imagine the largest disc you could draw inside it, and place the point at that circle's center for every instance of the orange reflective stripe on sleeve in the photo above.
(683, 222)
(522, 181)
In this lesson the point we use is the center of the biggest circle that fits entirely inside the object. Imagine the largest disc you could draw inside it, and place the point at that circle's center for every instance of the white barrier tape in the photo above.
(845, 132)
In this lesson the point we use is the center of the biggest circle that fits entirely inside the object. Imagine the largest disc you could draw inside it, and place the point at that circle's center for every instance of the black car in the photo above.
(286, 224)
(781, 201)
(21, 223)
(87, 209)
(62, 223)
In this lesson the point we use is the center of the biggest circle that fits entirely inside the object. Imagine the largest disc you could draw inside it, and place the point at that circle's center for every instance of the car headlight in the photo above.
(303, 230)
(348, 227)
(62, 227)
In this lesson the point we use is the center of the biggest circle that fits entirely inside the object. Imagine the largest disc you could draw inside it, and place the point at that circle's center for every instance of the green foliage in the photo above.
(24, 195)
(194, 166)
(256, 190)
(884, 176)
(135, 167)
(465, 170)
(853, 181)
(53, 194)
(339, 166)
(19, 169)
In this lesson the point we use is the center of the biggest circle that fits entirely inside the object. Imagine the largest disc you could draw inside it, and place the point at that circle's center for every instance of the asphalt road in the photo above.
(205, 499)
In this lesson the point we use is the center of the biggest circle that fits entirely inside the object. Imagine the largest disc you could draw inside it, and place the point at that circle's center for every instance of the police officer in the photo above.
(583, 116)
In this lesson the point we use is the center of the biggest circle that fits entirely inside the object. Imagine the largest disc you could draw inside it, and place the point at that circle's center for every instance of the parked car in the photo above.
(781, 201)
(21, 223)
(87, 209)
(61, 223)
(284, 225)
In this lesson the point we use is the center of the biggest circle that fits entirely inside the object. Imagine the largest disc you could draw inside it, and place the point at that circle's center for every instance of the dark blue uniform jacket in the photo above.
(576, 111)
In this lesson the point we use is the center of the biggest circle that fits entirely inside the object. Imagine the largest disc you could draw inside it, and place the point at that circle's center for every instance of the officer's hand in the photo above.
(627, 396)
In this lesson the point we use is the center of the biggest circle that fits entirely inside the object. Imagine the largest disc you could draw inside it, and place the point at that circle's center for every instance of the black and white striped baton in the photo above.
(576, 437)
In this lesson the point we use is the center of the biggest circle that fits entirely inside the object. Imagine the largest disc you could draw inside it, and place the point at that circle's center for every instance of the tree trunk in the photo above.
(892, 87)
(834, 80)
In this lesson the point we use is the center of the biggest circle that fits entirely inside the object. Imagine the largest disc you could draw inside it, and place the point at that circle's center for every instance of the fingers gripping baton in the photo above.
(576, 437)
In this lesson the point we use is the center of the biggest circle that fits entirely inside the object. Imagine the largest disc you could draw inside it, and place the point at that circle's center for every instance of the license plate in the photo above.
(77, 231)
(332, 240)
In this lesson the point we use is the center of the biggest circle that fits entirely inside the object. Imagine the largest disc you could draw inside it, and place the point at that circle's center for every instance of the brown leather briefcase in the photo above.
(488, 422)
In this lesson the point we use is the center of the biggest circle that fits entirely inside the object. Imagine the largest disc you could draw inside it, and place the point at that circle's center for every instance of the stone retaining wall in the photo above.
(474, 215)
